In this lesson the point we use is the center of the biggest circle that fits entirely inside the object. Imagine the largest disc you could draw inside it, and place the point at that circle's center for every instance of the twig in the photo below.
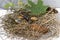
(47, 21)
(48, 12)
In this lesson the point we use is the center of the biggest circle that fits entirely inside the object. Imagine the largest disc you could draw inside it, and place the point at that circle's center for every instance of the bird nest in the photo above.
(34, 29)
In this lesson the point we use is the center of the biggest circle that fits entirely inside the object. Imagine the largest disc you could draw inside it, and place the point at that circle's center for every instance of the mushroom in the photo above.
(20, 17)
(34, 18)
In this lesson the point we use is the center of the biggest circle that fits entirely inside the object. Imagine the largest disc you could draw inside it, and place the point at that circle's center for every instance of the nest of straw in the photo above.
(45, 26)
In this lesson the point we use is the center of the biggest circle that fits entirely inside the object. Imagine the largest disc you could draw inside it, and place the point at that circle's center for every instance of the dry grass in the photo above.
(45, 25)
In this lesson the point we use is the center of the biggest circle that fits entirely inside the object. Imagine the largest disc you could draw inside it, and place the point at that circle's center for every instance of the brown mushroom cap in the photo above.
(34, 18)
(20, 17)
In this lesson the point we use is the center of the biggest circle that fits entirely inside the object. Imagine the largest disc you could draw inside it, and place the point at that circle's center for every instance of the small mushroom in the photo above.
(26, 17)
(20, 17)
(48, 9)
(55, 11)
(34, 18)
(18, 20)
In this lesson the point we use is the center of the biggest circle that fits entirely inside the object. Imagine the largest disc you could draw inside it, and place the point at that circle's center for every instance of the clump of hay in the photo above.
(44, 27)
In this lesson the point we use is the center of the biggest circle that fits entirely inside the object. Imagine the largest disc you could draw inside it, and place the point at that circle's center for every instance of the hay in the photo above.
(44, 27)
